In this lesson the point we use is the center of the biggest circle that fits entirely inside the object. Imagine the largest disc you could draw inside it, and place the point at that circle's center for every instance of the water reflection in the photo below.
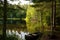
(17, 28)
(20, 35)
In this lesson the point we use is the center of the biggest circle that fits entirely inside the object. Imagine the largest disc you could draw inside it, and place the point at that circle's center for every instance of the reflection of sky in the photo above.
(21, 2)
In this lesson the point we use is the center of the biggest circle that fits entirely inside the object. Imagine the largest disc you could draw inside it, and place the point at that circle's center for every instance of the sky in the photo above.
(21, 2)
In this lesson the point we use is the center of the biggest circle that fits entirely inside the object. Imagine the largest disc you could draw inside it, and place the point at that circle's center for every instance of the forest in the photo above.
(42, 16)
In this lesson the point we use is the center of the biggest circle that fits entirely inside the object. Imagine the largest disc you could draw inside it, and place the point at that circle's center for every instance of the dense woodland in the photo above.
(37, 17)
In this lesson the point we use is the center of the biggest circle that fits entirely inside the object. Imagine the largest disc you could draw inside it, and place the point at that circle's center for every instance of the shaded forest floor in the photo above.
(47, 37)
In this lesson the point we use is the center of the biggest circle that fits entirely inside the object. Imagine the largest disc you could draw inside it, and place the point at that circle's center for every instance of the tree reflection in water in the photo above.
(20, 36)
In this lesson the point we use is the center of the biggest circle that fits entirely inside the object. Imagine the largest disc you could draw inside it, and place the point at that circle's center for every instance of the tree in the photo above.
(5, 19)
(4, 8)
(30, 15)
(38, 1)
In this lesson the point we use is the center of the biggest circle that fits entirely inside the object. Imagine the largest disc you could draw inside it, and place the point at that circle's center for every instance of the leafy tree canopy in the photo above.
(37, 1)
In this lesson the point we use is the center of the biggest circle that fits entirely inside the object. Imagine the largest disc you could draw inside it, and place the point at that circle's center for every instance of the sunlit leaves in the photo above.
(31, 18)
(38, 16)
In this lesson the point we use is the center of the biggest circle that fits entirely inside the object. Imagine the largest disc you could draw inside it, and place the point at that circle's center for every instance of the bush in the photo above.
(12, 38)
(9, 38)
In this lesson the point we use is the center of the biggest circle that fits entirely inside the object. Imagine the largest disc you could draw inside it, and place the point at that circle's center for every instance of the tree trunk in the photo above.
(4, 19)
(53, 19)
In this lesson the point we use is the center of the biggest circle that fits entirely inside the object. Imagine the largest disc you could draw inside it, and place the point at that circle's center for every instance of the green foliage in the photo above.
(38, 1)
(38, 17)
(1, 12)
(44, 13)
(12, 38)
(30, 18)
(15, 11)
(57, 14)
